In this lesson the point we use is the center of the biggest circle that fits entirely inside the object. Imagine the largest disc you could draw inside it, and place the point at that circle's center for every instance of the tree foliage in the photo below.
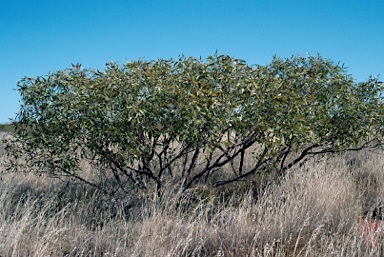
(184, 120)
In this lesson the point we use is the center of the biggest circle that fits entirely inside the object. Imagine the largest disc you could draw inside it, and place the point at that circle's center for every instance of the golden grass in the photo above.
(314, 211)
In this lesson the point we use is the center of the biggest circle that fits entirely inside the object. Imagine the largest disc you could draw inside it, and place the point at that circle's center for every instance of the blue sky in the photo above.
(41, 36)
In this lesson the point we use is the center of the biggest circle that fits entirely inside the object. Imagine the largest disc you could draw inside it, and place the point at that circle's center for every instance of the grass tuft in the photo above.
(316, 210)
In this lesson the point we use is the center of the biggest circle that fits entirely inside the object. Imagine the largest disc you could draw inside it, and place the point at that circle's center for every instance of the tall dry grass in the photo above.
(314, 211)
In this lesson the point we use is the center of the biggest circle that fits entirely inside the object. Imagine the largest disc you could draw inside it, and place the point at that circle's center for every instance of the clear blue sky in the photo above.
(40, 36)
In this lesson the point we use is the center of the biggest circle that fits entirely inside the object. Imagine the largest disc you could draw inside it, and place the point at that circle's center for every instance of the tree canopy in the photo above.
(185, 120)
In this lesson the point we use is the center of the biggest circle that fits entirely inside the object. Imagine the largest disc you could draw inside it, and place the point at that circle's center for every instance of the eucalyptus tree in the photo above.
(185, 120)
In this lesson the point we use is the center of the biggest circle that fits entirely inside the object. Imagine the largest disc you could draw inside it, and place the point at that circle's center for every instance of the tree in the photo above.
(184, 120)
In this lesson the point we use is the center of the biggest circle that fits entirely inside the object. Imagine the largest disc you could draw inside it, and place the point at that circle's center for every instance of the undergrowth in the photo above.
(316, 210)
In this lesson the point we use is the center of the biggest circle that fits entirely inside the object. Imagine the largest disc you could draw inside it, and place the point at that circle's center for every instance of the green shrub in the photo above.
(188, 120)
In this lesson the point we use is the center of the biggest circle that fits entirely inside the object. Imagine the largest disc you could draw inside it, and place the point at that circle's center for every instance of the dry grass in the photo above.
(315, 211)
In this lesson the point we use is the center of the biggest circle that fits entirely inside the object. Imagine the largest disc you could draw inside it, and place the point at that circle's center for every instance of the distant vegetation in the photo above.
(191, 121)
(9, 127)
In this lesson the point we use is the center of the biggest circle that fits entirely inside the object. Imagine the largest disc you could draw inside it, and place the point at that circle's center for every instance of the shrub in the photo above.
(148, 122)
